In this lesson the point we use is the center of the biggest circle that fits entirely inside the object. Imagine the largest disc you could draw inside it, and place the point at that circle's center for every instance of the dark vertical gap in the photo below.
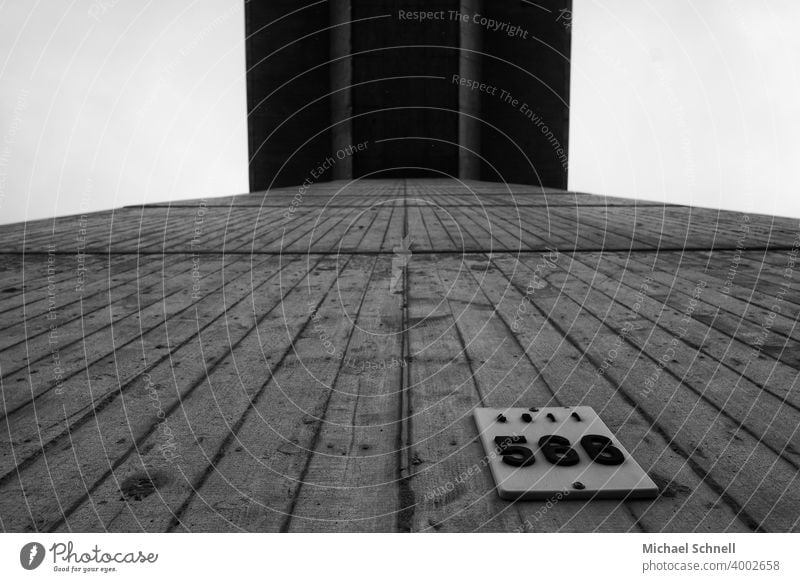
(469, 101)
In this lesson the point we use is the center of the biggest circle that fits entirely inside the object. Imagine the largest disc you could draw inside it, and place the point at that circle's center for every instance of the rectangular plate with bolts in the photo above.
(539, 453)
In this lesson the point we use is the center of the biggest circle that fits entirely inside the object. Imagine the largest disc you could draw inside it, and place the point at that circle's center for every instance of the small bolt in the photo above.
(501, 418)
(527, 417)
(578, 485)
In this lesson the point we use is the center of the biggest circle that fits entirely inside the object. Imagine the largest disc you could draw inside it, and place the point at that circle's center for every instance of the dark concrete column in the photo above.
(528, 59)
(405, 64)
(287, 86)
(403, 102)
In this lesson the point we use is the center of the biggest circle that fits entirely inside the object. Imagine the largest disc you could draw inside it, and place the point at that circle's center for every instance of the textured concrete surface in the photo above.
(296, 362)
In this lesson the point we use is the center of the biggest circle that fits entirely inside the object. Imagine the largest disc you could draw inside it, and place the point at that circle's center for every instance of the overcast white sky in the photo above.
(105, 103)
(695, 102)
(116, 102)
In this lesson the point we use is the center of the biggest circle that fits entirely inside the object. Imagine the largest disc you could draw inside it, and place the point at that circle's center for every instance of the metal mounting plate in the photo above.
(544, 480)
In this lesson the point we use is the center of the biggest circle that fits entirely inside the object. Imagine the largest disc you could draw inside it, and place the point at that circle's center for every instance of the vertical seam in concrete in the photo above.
(406, 498)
